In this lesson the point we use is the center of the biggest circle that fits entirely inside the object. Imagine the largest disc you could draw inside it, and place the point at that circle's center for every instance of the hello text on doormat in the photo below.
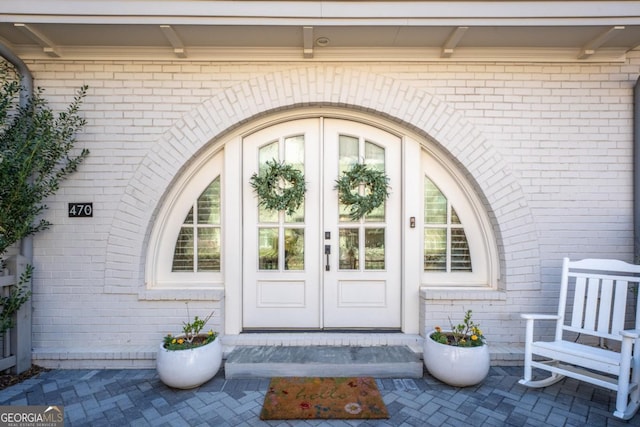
(323, 398)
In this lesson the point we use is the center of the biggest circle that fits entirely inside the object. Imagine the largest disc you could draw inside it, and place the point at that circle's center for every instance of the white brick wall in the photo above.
(548, 146)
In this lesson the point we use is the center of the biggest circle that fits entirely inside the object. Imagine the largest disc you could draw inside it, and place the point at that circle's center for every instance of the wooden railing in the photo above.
(15, 351)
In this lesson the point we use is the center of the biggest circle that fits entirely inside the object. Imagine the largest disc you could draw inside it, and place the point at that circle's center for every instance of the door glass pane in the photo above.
(267, 215)
(294, 151)
(349, 241)
(266, 153)
(294, 249)
(435, 204)
(435, 249)
(209, 204)
(297, 216)
(268, 248)
(374, 249)
(183, 252)
(291, 150)
(376, 215)
(294, 156)
(374, 156)
(349, 153)
(460, 256)
(209, 249)
(344, 213)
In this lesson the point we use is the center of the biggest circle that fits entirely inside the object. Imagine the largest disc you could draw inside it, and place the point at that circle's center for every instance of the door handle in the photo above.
(327, 252)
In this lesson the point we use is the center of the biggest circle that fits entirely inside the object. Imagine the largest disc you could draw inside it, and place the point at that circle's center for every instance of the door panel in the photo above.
(289, 281)
(362, 288)
(281, 258)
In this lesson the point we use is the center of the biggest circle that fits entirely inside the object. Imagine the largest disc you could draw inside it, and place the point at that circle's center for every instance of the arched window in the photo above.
(446, 248)
(197, 248)
(186, 242)
(458, 244)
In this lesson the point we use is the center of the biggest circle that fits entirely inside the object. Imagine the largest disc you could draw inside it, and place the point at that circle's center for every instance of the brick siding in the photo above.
(548, 147)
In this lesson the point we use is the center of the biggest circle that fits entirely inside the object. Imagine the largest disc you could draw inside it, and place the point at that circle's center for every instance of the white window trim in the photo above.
(476, 223)
(169, 221)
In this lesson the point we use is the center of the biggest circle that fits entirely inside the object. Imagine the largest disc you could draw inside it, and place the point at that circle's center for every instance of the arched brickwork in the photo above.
(335, 86)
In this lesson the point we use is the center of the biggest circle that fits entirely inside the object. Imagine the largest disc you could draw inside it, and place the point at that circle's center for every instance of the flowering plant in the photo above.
(191, 337)
(465, 334)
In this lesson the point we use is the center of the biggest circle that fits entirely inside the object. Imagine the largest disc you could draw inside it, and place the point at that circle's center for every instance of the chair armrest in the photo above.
(540, 316)
(631, 333)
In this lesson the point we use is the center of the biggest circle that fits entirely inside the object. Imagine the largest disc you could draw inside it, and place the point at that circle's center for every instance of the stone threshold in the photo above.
(323, 361)
(362, 339)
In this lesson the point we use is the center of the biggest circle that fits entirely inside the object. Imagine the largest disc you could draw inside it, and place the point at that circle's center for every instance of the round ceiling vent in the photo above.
(322, 41)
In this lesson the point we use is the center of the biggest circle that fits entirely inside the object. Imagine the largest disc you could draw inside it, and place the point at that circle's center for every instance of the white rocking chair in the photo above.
(593, 302)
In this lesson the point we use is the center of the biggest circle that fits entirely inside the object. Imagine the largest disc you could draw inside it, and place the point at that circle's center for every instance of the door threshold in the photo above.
(322, 338)
(324, 361)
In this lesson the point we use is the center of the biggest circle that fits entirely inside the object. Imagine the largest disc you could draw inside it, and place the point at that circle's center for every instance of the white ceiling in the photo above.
(321, 30)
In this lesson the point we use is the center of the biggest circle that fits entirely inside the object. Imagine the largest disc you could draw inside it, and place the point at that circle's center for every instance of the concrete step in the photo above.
(323, 361)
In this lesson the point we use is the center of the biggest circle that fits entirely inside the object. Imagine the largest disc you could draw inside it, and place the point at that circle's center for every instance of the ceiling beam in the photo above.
(453, 40)
(47, 45)
(307, 42)
(590, 48)
(174, 39)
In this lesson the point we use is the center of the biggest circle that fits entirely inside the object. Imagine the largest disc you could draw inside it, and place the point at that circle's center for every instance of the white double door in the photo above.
(318, 268)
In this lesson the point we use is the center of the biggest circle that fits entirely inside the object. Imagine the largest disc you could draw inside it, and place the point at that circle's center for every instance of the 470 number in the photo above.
(80, 210)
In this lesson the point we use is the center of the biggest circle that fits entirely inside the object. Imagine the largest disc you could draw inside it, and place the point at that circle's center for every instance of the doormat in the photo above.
(323, 398)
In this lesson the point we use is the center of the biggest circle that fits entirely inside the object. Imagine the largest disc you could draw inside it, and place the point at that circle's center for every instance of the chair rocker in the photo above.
(592, 303)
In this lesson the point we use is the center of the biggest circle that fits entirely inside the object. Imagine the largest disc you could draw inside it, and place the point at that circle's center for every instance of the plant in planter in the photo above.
(465, 334)
(191, 359)
(460, 356)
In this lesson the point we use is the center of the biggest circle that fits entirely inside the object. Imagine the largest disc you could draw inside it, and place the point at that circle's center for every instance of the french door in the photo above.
(317, 268)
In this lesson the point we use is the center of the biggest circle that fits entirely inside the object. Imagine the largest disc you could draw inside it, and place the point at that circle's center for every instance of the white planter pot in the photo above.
(456, 366)
(189, 368)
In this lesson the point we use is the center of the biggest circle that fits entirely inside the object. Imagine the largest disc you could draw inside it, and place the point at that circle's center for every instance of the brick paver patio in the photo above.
(138, 398)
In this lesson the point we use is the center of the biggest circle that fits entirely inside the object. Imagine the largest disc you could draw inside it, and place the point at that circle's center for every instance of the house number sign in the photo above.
(80, 210)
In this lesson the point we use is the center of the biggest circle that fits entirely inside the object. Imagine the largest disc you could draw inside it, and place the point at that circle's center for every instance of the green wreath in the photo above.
(279, 187)
(376, 185)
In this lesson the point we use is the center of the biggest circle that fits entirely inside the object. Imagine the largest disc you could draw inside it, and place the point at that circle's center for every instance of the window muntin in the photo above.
(458, 248)
(197, 247)
(275, 227)
(369, 232)
(446, 248)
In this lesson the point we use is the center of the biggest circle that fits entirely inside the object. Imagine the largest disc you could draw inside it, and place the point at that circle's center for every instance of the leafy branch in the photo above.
(35, 147)
(35, 156)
